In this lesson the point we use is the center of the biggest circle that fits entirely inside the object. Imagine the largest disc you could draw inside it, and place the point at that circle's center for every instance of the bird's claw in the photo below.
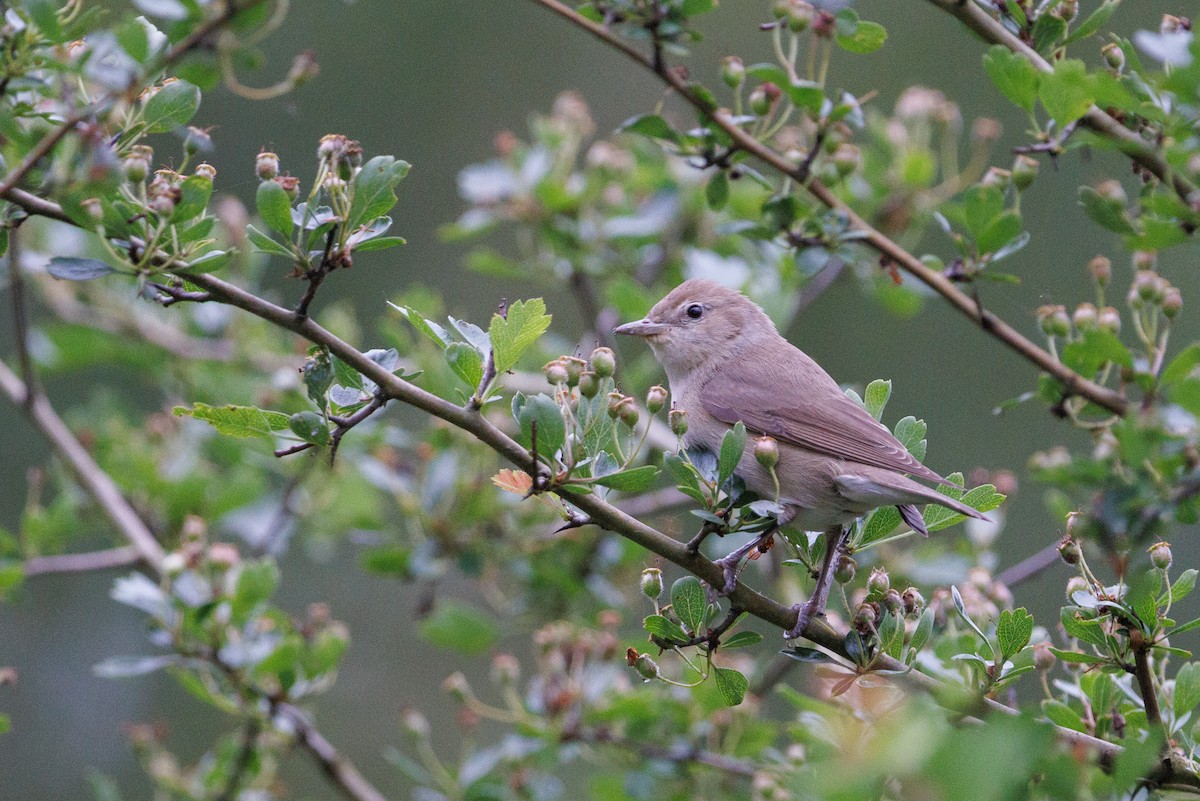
(804, 613)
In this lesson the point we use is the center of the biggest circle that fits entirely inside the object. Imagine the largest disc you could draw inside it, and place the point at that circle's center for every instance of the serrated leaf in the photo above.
(1077, 658)
(1093, 349)
(732, 685)
(639, 479)
(1048, 31)
(741, 639)
(1013, 630)
(911, 433)
(274, 207)
(237, 421)
(733, 444)
(1000, 231)
(1082, 628)
(664, 628)
(1015, 77)
(69, 268)
(983, 498)
(466, 362)
(173, 105)
(1094, 21)
(875, 397)
(513, 334)
(431, 330)
(1068, 92)
(690, 603)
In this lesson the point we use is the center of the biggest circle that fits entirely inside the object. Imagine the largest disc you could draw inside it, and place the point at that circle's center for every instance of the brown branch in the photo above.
(341, 771)
(599, 511)
(991, 324)
(1096, 119)
(122, 556)
(1145, 680)
(679, 755)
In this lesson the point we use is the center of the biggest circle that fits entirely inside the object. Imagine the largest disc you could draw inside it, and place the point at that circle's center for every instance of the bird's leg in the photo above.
(731, 565)
(835, 539)
(695, 542)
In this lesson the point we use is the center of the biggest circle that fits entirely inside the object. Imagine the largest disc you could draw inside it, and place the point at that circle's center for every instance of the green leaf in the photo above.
(541, 411)
(1093, 350)
(732, 446)
(692, 8)
(981, 206)
(310, 427)
(732, 685)
(174, 104)
(466, 362)
(1182, 586)
(690, 603)
(317, 375)
(875, 397)
(347, 376)
(1003, 229)
(1048, 30)
(1078, 658)
(195, 193)
(1182, 366)
(1082, 628)
(1013, 75)
(650, 125)
(459, 626)
(664, 628)
(274, 207)
(372, 190)
(1068, 92)
(237, 421)
(856, 35)
(210, 262)
(266, 244)
(983, 498)
(432, 331)
(1105, 212)
(911, 433)
(69, 268)
(514, 333)
(256, 583)
(1062, 715)
(1094, 22)
(883, 521)
(742, 639)
(717, 191)
(921, 633)
(639, 479)
(380, 243)
(1187, 689)
(1013, 630)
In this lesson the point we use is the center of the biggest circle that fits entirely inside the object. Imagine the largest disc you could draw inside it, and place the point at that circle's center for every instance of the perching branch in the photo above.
(1074, 383)
(1141, 151)
(122, 556)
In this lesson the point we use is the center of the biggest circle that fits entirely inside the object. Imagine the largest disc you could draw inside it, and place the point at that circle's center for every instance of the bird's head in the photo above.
(699, 323)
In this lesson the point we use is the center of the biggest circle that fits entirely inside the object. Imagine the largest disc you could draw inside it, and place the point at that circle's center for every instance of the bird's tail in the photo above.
(884, 488)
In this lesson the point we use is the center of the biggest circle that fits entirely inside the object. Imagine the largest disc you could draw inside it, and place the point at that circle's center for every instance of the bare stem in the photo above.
(122, 556)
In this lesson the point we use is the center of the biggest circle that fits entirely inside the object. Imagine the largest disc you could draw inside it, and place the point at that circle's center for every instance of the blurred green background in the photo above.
(432, 81)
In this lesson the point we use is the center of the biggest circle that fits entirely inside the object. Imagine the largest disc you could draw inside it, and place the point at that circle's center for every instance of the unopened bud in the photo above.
(628, 412)
(223, 555)
(415, 723)
(575, 367)
(1160, 555)
(997, 177)
(642, 663)
(1144, 259)
(865, 618)
(196, 141)
(505, 669)
(1172, 302)
(677, 418)
(1054, 321)
(614, 404)
(878, 583)
(733, 71)
(1101, 269)
(138, 163)
(163, 205)
(457, 687)
(290, 184)
(556, 372)
(1043, 657)
(1076, 584)
(766, 451)
(94, 208)
(656, 399)
(1147, 286)
(652, 582)
(1114, 56)
(1069, 550)
(893, 602)
(1024, 171)
(799, 16)
(846, 569)
(604, 362)
(1066, 10)
(763, 98)
(266, 166)
(589, 385)
(914, 602)
(1085, 317)
(1109, 319)
(206, 170)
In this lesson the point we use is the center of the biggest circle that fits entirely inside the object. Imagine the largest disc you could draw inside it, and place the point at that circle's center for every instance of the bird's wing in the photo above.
(797, 402)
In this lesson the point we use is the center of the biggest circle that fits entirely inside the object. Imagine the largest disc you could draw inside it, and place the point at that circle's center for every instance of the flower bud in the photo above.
(266, 166)
(997, 177)
(196, 141)
(878, 583)
(457, 687)
(1147, 286)
(1109, 319)
(642, 663)
(206, 170)
(290, 184)
(1066, 9)
(914, 602)
(1172, 302)
(574, 367)
(628, 412)
(1054, 321)
(1076, 584)
(1113, 192)
(1144, 260)
(1069, 550)
(1024, 171)
(799, 16)
(163, 205)
(614, 404)
(505, 669)
(1101, 269)
(733, 71)
(652, 582)
(1172, 24)
(223, 555)
(556, 372)
(865, 618)
(1085, 317)
(415, 724)
(766, 451)
(677, 418)
(138, 163)
(656, 399)
(1160, 555)
(1043, 657)
(893, 602)
(760, 104)
(589, 385)
(846, 159)
(604, 362)
(846, 569)
(1114, 56)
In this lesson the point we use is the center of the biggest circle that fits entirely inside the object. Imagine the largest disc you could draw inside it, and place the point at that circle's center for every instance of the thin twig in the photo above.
(679, 755)
(344, 775)
(1030, 566)
(122, 556)
(341, 426)
(987, 321)
(241, 763)
(20, 299)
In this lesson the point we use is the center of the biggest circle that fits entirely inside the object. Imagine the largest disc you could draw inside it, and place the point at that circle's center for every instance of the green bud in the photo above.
(642, 663)
(652, 582)
(589, 385)
(656, 399)
(677, 418)
(196, 141)
(893, 602)
(505, 669)
(1109, 319)
(1101, 269)
(556, 372)
(1024, 171)
(1069, 550)
(1160, 555)
(733, 71)
(846, 569)
(1172, 302)
(614, 404)
(1085, 317)
(574, 367)
(1148, 286)
(628, 412)
(1114, 56)
(457, 687)
(766, 451)
(1054, 321)
(866, 616)
(1043, 657)
(878, 583)
(604, 362)
(206, 170)
(266, 166)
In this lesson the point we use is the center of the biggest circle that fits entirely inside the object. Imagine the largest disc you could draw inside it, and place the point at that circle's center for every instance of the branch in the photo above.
(122, 556)
(16, 281)
(603, 513)
(991, 324)
(340, 770)
(1096, 120)
(679, 755)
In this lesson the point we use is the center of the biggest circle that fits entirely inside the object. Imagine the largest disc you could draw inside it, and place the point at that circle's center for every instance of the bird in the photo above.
(727, 363)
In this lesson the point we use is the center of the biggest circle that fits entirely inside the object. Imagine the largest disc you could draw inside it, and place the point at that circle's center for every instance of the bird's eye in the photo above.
(695, 310)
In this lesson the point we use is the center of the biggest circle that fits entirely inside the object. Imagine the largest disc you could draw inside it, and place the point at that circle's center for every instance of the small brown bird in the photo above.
(726, 362)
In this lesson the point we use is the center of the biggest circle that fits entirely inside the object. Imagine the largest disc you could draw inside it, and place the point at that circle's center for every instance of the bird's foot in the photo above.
(804, 614)
(731, 565)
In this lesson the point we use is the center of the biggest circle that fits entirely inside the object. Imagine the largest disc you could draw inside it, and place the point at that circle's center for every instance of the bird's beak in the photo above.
(641, 328)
